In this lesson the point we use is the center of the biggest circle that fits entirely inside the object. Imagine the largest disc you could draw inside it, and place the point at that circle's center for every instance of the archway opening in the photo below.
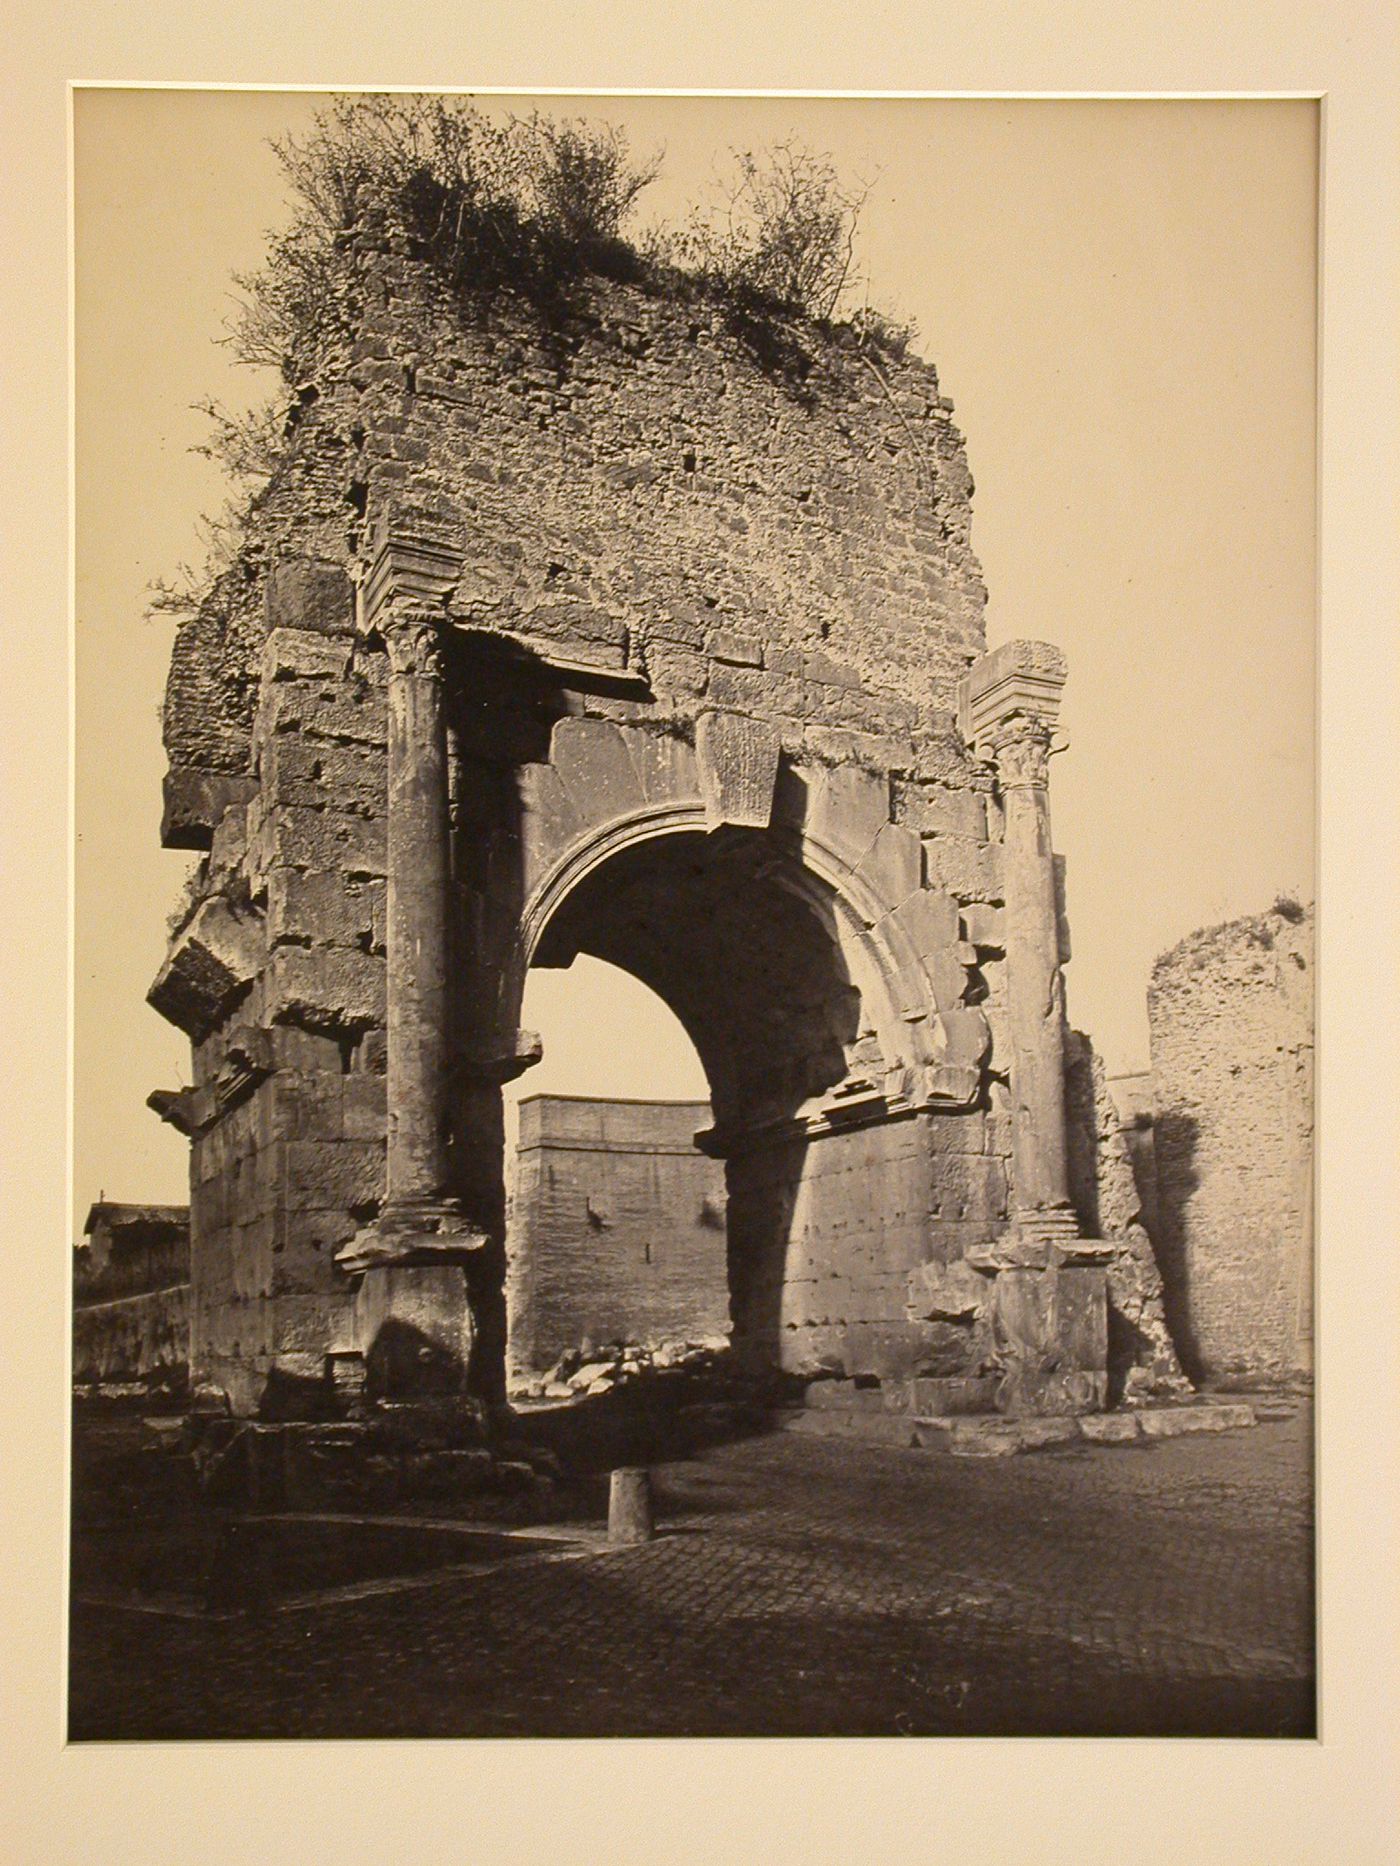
(746, 948)
(616, 1227)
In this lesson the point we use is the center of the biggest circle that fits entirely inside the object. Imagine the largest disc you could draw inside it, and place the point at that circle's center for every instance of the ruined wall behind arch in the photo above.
(1231, 1016)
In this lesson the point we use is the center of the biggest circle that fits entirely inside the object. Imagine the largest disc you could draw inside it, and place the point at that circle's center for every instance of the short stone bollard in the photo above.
(629, 1508)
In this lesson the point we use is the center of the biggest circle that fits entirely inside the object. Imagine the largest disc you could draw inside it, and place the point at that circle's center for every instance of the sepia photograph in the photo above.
(695, 800)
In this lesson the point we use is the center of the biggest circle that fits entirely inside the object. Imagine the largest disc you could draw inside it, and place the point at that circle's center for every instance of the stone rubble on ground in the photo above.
(589, 1370)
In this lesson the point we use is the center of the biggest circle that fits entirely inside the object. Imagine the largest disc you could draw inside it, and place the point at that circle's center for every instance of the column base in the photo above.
(1050, 1327)
(1040, 1240)
(414, 1329)
(413, 1318)
(1049, 1314)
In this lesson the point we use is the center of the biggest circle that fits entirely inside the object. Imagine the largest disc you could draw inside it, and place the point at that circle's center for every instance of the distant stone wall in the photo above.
(617, 1228)
(1231, 1014)
(133, 1341)
(131, 1290)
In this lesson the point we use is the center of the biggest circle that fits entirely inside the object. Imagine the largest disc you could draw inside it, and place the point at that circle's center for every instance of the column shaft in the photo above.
(417, 916)
(1035, 991)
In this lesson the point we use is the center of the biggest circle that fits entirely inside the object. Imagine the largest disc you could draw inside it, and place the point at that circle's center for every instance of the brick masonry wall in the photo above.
(1231, 1014)
(617, 1229)
(728, 521)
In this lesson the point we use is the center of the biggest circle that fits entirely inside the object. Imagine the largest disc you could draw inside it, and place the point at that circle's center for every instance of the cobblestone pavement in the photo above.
(802, 1587)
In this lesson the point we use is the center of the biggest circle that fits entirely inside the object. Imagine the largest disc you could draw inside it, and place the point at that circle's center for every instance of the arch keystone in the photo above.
(738, 760)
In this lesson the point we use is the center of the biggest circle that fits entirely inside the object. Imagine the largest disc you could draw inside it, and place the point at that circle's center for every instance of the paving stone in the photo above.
(795, 1587)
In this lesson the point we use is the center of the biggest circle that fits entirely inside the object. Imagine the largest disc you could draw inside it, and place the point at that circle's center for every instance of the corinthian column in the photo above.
(1035, 999)
(1049, 1300)
(413, 1318)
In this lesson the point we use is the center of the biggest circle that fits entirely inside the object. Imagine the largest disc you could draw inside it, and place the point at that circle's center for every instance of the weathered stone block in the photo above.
(307, 1324)
(985, 1438)
(356, 716)
(549, 822)
(323, 840)
(196, 802)
(984, 926)
(666, 766)
(302, 593)
(892, 866)
(1052, 1334)
(934, 810)
(304, 1244)
(1179, 1421)
(327, 989)
(848, 807)
(931, 921)
(309, 1051)
(309, 772)
(414, 1328)
(331, 1174)
(364, 1107)
(961, 1037)
(210, 967)
(320, 909)
(947, 1293)
(1109, 1428)
(302, 1107)
(730, 645)
(970, 871)
(598, 776)
(304, 654)
(229, 843)
(947, 977)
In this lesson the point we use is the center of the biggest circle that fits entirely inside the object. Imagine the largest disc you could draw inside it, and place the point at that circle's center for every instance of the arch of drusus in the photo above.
(612, 639)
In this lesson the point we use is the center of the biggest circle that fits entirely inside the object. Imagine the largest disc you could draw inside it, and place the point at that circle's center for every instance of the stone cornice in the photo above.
(410, 559)
(194, 1111)
(1020, 680)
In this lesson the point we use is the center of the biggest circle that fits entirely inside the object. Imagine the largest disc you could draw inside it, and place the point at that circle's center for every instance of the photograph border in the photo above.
(1283, 1802)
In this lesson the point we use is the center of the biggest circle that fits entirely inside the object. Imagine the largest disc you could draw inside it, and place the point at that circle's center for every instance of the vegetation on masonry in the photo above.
(535, 207)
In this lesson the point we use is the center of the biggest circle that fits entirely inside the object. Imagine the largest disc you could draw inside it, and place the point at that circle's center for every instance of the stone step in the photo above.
(989, 1436)
(871, 1428)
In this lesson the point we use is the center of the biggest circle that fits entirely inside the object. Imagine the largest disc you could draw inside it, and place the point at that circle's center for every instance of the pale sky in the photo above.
(1118, 297)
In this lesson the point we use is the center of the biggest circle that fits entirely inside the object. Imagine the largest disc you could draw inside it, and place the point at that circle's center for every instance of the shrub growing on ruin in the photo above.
(526, 204)
(532, 204)
(780, 235)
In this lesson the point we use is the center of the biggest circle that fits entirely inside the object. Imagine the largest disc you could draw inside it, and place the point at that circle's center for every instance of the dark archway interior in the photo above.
(730, 933)
(741, 943)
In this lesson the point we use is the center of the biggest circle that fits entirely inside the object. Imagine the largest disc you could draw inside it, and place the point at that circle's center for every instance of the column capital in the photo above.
(1021, 744)
(415, 637)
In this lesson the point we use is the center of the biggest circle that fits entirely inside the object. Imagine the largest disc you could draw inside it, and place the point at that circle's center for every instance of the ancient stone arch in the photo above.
(610, 638)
